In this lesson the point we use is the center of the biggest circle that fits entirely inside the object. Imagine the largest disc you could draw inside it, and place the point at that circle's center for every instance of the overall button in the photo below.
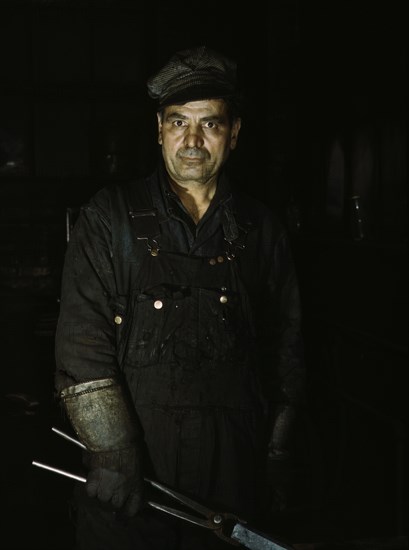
(212, 261)
(223, 299)
(158, 304)
(117, 319)
(220, 259)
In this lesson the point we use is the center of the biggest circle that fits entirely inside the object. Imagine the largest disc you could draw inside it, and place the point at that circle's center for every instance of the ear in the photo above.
(234, 133)
(159, 117)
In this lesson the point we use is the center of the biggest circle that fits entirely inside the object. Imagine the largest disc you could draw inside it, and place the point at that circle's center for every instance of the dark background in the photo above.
(325, 120)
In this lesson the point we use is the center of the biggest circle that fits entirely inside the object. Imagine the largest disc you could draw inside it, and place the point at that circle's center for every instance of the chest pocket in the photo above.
(183, 322)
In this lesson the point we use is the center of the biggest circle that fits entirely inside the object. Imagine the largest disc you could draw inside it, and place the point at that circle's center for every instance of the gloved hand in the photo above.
(282, 432)
(116, 477)
(106, 424)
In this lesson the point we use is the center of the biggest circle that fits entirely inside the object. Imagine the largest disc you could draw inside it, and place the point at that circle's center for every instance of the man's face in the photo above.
(196, 139)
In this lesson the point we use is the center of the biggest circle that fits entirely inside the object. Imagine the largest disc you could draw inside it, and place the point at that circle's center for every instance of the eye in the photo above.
(178, 123)
(210, 124)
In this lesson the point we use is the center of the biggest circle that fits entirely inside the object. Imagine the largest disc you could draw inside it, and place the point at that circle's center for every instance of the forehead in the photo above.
(200, 108)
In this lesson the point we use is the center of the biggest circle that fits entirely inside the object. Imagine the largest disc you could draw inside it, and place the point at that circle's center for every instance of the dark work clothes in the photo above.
(202, 324)
(99, 527)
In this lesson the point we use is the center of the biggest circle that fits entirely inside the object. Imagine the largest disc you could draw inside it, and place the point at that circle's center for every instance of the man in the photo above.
(178, 346)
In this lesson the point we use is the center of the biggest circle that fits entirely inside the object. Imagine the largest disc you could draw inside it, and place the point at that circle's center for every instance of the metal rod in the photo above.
(181, 498)
(83, 480)
(72, 439)
(59, 471)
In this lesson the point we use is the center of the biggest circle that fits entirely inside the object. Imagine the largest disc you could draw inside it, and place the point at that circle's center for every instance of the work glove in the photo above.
(280, 466)
(282, 433)
(104, 419)
(115, 477)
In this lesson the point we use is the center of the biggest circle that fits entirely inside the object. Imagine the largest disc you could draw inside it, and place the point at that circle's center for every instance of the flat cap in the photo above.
(193, 74)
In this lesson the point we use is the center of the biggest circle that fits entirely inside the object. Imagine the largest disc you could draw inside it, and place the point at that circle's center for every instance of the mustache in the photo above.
(192, 153)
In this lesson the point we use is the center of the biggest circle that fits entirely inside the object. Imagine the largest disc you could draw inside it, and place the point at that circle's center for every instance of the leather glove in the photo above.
(282, 432)
(115, 477)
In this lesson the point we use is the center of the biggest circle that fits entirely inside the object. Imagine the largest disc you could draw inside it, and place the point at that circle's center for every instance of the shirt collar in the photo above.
(222, 195)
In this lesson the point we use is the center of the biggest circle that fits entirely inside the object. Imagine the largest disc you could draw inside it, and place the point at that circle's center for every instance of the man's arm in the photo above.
(283, 328)
(87, 378)
(85, 339)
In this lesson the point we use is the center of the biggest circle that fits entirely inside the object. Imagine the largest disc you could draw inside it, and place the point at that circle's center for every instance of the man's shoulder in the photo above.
(257, 212)
(121, 195)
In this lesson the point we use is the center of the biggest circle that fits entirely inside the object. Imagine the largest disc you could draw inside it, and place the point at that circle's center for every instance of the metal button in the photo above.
(117, 319)
(223, 299)
(158, 304)
(220, 259)
(212, 261)
(154, 252)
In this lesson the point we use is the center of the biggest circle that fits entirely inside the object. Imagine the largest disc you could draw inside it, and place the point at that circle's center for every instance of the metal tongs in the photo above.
(228, 527)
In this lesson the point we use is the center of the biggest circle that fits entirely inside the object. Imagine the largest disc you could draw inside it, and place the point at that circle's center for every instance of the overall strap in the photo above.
(144, 218)
(134, 200)
(135, 229)
(236, 226)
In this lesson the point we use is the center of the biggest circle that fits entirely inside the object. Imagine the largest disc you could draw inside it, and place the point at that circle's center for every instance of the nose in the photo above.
(194, 137)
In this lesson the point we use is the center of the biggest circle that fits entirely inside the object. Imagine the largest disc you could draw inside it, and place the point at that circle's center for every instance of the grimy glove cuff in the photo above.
(101, 415)
(282, 432)
(105, 422)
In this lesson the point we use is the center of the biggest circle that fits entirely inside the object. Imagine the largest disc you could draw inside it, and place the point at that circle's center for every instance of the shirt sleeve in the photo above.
(290, 349)
(281, 318)
(86, 336)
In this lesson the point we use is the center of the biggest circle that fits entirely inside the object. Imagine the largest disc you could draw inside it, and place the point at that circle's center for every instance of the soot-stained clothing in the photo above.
(200, 322)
